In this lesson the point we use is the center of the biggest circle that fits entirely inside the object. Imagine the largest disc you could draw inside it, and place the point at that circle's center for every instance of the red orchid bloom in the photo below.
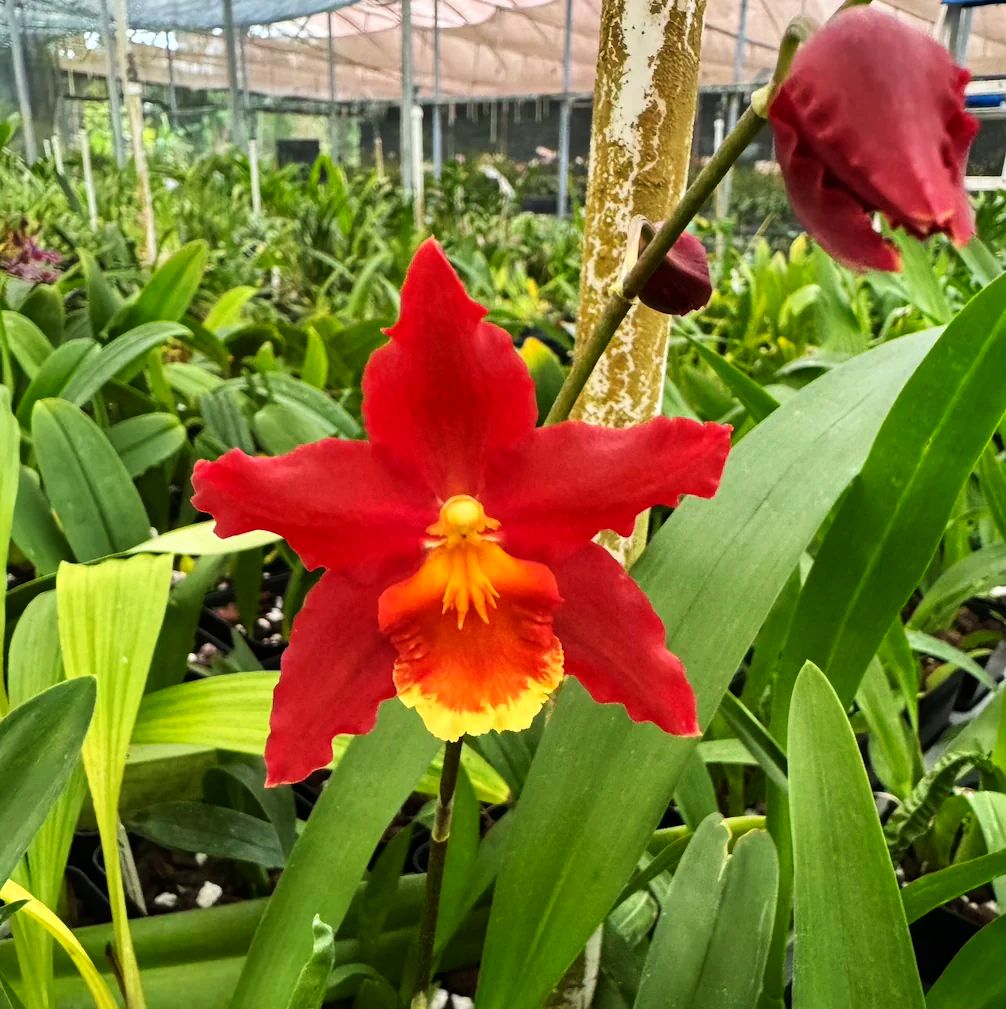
(871, 119)
(460, 572)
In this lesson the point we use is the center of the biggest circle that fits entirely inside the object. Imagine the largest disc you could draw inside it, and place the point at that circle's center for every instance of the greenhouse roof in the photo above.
(489, 48)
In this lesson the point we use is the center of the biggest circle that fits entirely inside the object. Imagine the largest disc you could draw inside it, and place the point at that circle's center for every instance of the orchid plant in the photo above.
(452, 624)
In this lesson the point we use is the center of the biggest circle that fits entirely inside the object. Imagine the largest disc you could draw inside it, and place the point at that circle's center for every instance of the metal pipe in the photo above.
(734, 101)
(565, 114)
(333, 125)
(21, 83)
(112, 83)
(438, 112)
(418, 180)
(405, 114)
(247, 119)
(172, 96)
(237, 118)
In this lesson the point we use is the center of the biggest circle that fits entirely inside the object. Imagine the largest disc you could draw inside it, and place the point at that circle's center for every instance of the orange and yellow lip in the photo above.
(465, 672)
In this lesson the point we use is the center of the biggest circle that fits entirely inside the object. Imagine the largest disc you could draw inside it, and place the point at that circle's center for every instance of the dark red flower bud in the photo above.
(681, 283)
(871, 118)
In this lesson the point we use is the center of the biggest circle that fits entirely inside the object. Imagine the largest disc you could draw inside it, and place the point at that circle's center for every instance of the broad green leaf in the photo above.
(365, 791)
(546, 370)
(115, 357)
(973, 575)
(317, 407)
(990, 811)
(57, 369)
(312, 982)
(177, 637)
(894, 756)
(921, 282)
(842, 871)
(281, 429)
(35, 530)
(109, 618)
(587, 812)
(315, 369)
(232, 713)
(940, 649)
(756, 739)
(975, 978)
(36, 664)
(40, 743)
(103, 301)
(888, 526)
(96, 985)
(992, 479)
(28, 344)
(755, 398)
(190, 381)
(169, 292)
(147, 440)
(931, 891)
(709, 948)
(981, 261)
(226, 310)
(86, 482)
(215, 830)
(10, 447)
(200, 540)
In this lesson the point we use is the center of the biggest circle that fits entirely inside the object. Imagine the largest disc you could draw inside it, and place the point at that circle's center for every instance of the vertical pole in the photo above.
(378, 155)
(644, 114)
(92, 200)
(133, 94)
(21, 83)
(237, 118)
(565, 114)
(57, 154)
(256, 188)
(333, 125)
(958, 28)
(248, 117)
(733, 104)
(172, 94)
(438, 112)
(405, 114)
(112, 83)
(418, 180)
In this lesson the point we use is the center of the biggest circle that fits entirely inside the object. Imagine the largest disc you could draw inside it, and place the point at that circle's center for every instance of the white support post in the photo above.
(565, 114)
(438, 112)
(112, 83)
(133, 93)
(256, 188)
(405, 114)
(21, 82)
(333, 124)
(92, 199)
(378, 155)
(418, 179)
(57, 154)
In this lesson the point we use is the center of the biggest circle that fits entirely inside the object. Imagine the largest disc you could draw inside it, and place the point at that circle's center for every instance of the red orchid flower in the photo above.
(460, 572)
(871, 119)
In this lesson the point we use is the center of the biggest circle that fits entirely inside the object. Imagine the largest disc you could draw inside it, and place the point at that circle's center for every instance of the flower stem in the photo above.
(620, 300)
(715, 170)
(435, 873)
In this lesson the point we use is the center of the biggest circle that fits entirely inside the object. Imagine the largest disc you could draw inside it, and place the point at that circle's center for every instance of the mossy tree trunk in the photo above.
(644, 111)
